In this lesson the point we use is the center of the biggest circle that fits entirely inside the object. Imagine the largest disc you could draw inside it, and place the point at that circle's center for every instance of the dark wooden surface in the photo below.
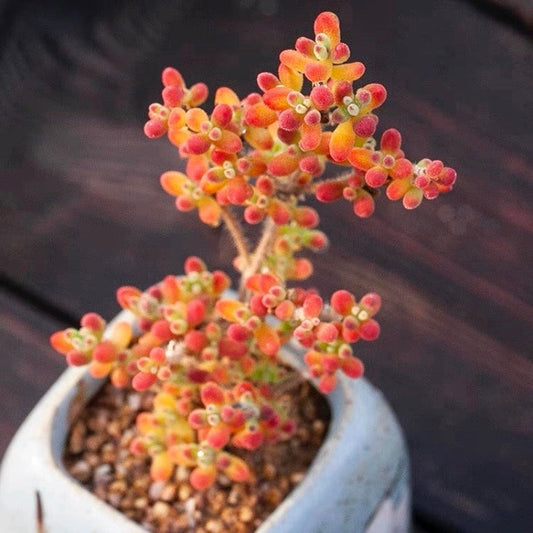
(82, 212)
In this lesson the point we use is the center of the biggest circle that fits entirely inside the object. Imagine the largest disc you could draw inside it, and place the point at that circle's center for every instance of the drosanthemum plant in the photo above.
(212, 360)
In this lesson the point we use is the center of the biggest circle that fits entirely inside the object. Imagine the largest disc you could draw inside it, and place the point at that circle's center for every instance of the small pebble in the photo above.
(318, 427)
(134, 401)
(182, 473)
(273, 496)
(81, 471)
(141, 503)
(114, 429)
(228, 516)
(102, 473)
(296, 477)
(160, 510)
(184, 492)
(109, 453)
(155, 490)
(214, 526)
(269, 471)
(224, 481)
(142, 483)
(169, 492)
(92, 459)
(94, 442)
(118, 486)
(114, 499)
(246, 514)
(126, 503)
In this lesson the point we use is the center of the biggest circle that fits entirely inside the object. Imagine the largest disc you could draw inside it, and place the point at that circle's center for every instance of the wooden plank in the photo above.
(516, 12)
(453, 389)
(30, 365)
(85, 213)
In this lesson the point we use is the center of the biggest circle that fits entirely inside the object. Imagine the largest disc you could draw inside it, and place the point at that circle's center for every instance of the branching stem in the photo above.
(292, 380)
(341, 178)
(236, 232)
(263, 248)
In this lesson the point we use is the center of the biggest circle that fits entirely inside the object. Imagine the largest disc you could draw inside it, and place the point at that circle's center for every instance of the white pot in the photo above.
(358, 482)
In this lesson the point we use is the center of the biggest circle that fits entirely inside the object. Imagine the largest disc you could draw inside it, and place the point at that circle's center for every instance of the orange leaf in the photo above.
(120, 335)
(146, 423)
(127, 297)
(209, 211)
(348, 71)
(161, 467)
(183, 454)
(302, 269)
(378, 92)
(260, 115)
(290, 77)
(120, 377)
(311, 135)
(230, 309)
(211, 393)
(398, 188)
(176, 119)
(342, 141)
(225, 95)
(294, 60)
(150, 340)
(276, 98)
(237, 470)
(402, 168)
(318, 71)
(197, 166)
(283, 164)
(170, 289)
(99, 370)
(229, 142)
(218, 436)
(178, 136)
(202, 477)
(195, 117)
(261, 283)
(412, 198)
(267, 339)
(328, 23)
(361, 158)
(60, 342)
(173, 182)
(259, 138)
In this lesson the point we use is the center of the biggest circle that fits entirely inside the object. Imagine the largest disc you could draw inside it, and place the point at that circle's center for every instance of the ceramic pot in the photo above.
(358, 482)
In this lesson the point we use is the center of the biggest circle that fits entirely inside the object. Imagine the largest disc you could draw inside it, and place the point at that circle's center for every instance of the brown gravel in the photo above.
(97, 456)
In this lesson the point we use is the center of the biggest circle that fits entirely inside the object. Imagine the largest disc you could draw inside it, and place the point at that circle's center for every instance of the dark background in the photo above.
(82, 211)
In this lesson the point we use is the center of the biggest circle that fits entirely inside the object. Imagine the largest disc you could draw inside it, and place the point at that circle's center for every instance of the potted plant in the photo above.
(220, 369)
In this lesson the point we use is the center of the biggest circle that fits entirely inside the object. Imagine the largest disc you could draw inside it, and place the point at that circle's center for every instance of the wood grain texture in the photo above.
(514, 11)
(30, 363)
(84, 213)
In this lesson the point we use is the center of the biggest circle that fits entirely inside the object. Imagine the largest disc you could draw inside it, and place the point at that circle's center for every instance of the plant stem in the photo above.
(311, 188)
(293, 379)
(237, 234)
(263, 248)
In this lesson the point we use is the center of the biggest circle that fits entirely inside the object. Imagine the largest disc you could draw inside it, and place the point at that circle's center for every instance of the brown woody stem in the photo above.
(292, 380)
(263, 248)
(343, 177)
(236, 232)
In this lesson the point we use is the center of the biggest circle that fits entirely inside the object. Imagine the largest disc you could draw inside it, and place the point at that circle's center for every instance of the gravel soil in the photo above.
(97, 455)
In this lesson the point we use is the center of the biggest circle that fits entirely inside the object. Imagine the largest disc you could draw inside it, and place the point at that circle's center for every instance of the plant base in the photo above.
(359, 481)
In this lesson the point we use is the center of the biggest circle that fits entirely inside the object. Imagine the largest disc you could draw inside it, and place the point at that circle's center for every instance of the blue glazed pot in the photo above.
(358, 482)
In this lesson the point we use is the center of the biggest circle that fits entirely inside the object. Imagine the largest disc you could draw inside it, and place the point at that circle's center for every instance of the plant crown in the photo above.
(212, 360)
